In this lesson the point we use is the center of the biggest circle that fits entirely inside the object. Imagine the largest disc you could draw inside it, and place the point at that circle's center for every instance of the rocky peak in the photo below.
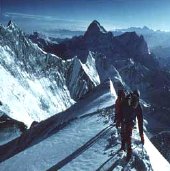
(36, 34)
(14, 30)
(12, 25)
(95, 28)
(134, 43)
(96, 36)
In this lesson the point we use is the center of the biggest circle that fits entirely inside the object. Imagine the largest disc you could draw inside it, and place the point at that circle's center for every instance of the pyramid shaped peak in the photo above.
(12, 25)
(95, 22)
(95, 27)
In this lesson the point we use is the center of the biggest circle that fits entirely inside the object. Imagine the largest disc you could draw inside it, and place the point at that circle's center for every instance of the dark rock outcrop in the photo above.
(161, 142)
(7, 122)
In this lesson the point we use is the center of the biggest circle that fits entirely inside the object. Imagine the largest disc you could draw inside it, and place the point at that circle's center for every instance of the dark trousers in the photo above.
(126, 136)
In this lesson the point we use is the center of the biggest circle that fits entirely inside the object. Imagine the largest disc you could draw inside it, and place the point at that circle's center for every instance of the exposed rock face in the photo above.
(95, 29)
(6, 121)
(10, 128)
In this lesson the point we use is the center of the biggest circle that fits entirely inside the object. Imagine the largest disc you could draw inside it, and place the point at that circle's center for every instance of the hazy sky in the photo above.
(77, 14)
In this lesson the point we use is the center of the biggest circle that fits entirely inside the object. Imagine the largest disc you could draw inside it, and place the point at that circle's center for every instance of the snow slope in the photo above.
(161, 142)
(106, 99)
(57, 147)
(46, 128)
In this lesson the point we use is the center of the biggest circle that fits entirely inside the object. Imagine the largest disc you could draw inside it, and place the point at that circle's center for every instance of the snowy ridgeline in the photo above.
(86, 143)
(36, 85)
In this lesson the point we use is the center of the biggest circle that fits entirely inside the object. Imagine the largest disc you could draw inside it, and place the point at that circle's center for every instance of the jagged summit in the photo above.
(12, 26)
(133, 36)
(95, 28)
(95, 25)
(10, 23)
(136, 46)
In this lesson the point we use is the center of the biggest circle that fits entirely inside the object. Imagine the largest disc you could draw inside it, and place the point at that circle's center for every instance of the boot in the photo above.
(129, 154)
(122, 146)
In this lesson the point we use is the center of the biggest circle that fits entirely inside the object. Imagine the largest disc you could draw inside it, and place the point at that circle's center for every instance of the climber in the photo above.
(130, 109)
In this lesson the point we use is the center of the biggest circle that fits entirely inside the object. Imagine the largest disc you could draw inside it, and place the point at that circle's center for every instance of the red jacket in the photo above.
(119, 116)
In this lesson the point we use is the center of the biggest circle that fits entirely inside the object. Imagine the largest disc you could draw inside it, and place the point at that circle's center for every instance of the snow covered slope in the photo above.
(80, 134)
(86, 143)
(34, 84)
(82, 77)
(88, 104)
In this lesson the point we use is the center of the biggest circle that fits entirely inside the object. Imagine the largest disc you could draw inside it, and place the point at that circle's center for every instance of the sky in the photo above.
(33, 15)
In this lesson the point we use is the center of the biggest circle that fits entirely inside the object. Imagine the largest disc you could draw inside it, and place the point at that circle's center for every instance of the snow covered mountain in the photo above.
(72, 99)
(116, 51)
(34, 84)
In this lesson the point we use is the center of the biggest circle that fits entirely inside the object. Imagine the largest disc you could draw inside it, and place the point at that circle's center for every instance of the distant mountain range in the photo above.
(152, 37)
(158, 41)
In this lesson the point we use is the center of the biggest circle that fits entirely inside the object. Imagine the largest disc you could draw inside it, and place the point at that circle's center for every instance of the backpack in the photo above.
(129, 111)
(134, 101)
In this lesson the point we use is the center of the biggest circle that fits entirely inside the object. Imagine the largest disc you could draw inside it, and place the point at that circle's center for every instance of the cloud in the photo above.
(42, 18)
(30, 22)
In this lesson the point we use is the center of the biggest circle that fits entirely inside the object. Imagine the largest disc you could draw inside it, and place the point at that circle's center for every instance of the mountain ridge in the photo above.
(35, 76)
